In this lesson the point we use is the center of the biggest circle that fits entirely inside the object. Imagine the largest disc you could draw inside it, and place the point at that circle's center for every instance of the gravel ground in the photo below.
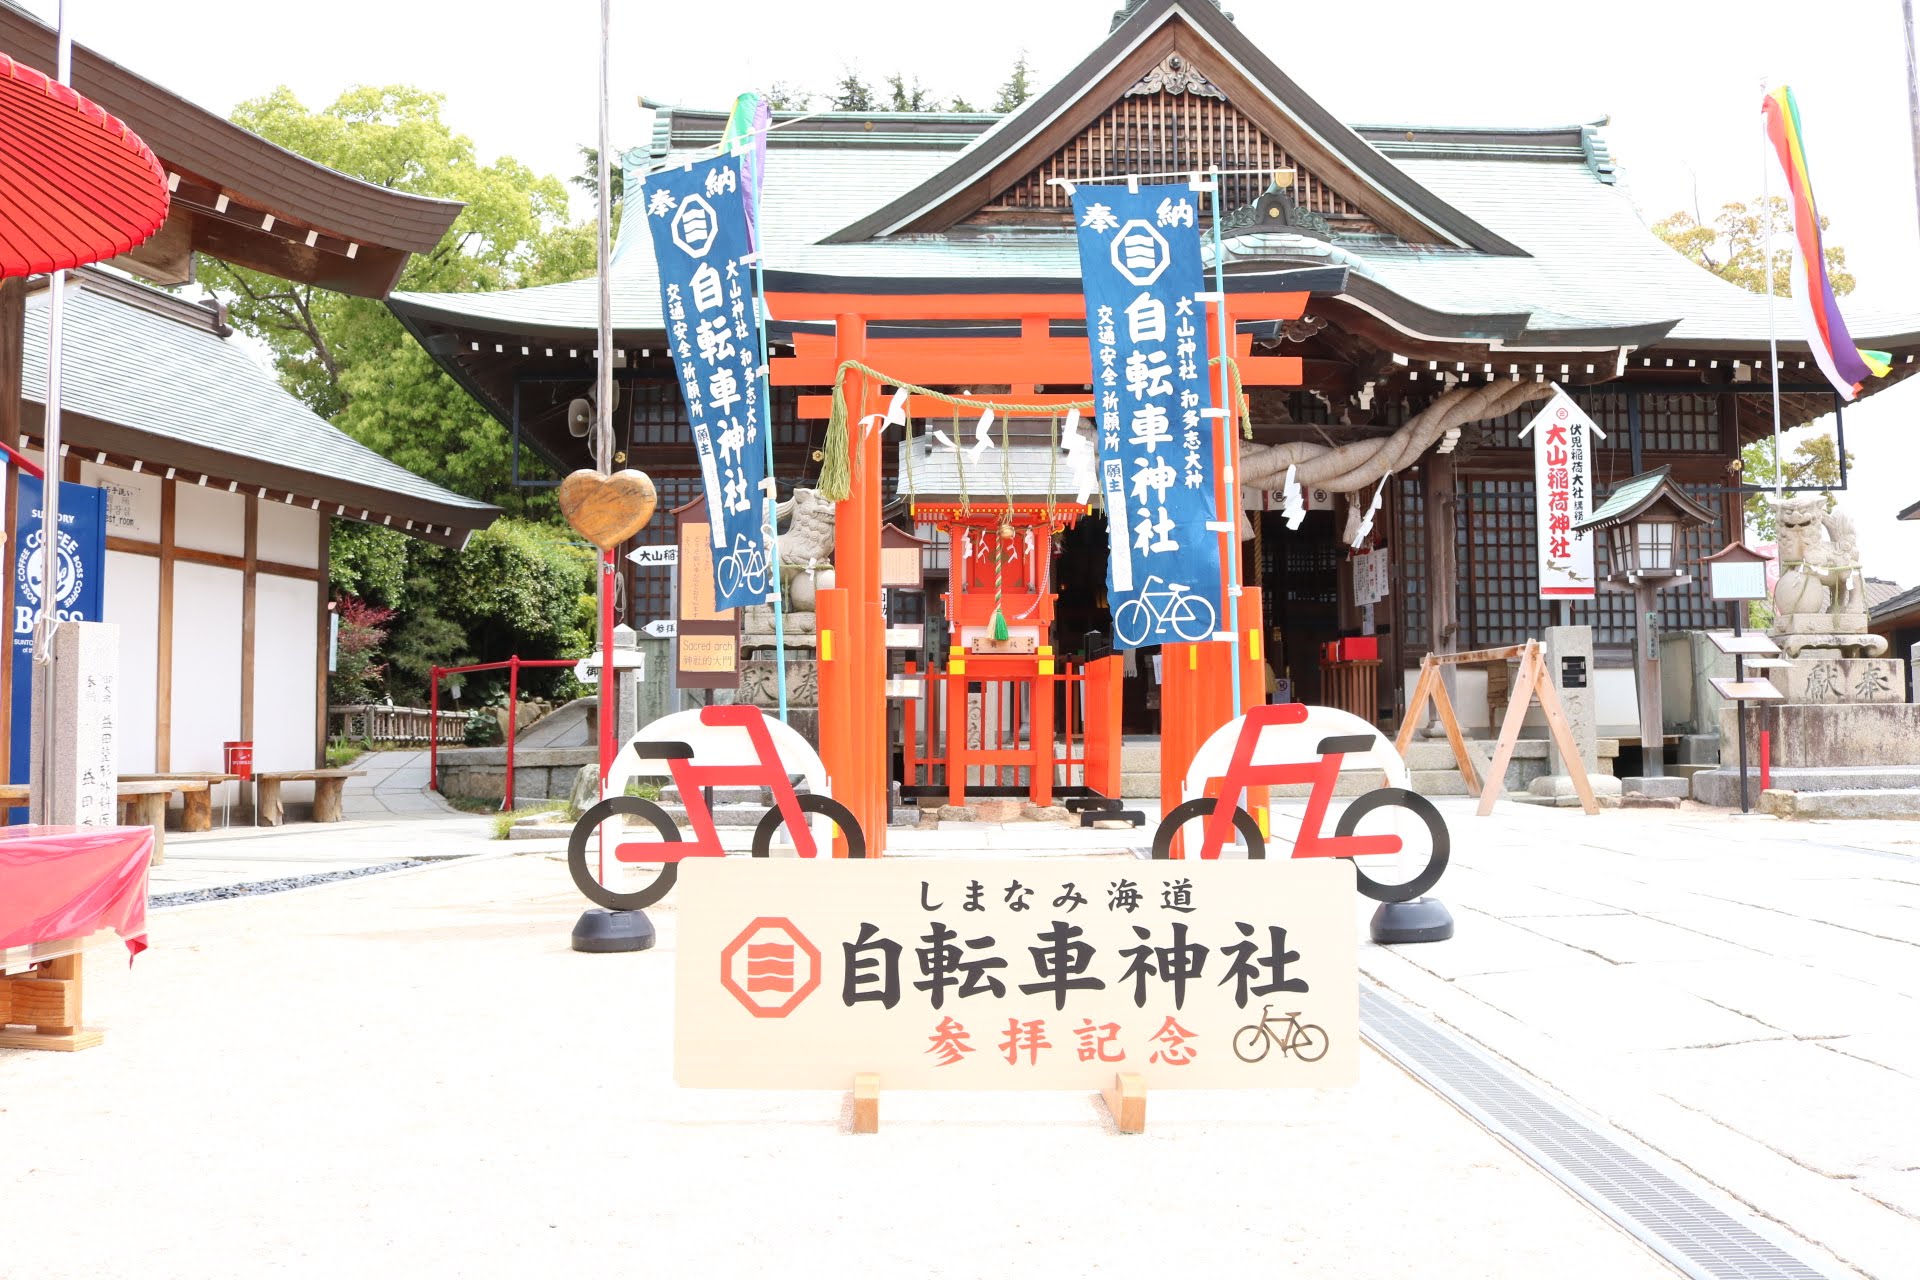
(413, 1075)
(253, 888)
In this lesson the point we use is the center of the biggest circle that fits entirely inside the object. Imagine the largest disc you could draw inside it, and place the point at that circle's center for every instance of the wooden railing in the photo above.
(1079, 724)
(379, 723)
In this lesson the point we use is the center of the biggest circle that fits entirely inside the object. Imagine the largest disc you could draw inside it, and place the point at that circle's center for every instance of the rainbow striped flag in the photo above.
(1845, 365)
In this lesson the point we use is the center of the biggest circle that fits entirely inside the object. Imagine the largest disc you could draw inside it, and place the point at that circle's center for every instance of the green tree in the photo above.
(852, 94)
(961, 105)
(348, 358)
(904, 98)
(785, 95)
(588, 179)
(1018, 86)
(1813, 462)
(1734, 246)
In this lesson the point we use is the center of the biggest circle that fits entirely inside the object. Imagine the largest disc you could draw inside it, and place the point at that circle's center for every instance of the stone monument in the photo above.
(806, 567)
(1844, 722)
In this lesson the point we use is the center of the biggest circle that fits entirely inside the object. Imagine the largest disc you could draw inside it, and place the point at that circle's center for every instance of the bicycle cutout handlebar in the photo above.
(1225, 817)
(690, 779)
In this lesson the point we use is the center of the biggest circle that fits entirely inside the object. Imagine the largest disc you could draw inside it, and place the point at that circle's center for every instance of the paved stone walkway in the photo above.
(1741, 994)
(395, 786)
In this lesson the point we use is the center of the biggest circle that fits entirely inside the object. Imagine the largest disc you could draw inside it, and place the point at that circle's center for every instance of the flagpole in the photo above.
(603, 439)
(1913, 97)
(1229, 424)
(766, 421)
(44, 709)
(1773, 343)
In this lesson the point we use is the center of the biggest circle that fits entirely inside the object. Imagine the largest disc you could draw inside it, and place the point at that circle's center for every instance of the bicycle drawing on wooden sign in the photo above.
(1225, 818)
(740, 749)
(1303, 1040)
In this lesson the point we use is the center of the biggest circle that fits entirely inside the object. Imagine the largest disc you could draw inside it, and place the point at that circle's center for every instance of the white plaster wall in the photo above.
(207, 616)
(208, 519)
(289, 535)
(285, 669)
(133, 601)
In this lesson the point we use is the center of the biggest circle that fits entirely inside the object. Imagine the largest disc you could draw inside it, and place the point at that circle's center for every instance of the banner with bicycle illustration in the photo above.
(700, 223)
(1153, 401)
(977, 974)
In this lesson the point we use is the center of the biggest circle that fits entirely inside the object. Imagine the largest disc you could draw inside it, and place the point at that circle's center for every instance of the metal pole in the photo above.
(603, 419)
(778, 595)
(513, 724)
(1773, 342)
(1740, 707)
(1913, 97)
(1229, 542)
(433, 733)
(46, 715)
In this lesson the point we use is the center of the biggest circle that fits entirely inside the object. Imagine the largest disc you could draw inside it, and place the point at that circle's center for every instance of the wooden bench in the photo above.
(328, 784)
(142, 803)
(196, 813)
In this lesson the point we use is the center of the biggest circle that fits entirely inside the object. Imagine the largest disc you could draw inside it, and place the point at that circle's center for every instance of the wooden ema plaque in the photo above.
(706, 648)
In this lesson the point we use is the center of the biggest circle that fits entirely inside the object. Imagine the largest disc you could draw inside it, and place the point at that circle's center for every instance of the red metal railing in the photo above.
(1078, 724)
(512, 667)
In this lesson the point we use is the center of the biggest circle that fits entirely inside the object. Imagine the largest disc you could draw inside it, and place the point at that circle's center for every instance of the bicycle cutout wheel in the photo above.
(826, 807)
(1438, 846)
(621, 807)
(1203, 807)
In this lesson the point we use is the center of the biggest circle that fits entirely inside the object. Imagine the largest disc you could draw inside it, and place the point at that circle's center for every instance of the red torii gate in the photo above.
(1197, 678)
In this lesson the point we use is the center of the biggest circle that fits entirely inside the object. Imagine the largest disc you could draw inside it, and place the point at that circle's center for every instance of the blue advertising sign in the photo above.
(80, 563)
(1146, 326)
(699, 218)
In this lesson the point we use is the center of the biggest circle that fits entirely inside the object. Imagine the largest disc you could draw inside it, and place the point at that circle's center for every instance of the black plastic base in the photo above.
(1422, 920)
(604, 932)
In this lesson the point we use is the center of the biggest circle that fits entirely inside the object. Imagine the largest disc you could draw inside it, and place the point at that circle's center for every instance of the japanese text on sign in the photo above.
(1147, 331)
(1563, 487)
(990, 975)
(700, 240)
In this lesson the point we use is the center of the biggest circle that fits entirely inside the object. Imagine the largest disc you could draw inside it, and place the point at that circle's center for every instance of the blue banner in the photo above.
(699, 219)
(1147, 327)
(79, 590)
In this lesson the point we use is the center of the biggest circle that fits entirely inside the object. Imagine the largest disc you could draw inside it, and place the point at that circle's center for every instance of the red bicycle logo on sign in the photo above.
(1225, 818)
(758, 765)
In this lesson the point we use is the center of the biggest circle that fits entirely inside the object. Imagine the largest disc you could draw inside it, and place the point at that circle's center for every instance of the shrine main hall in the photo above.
(1451, 277)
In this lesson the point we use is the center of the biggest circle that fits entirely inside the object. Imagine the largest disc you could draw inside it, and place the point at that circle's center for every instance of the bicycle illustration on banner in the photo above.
(1303, 1040)
(742, 569)
(1189, 616)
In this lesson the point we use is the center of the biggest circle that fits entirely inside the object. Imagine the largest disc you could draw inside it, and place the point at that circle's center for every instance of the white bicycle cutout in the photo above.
(743, 567)
(1189, 616)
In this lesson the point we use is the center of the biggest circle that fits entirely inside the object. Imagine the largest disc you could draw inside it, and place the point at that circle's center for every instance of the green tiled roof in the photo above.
(132, 361)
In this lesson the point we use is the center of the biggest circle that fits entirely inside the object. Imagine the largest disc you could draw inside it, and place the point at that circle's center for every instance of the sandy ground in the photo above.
(412, 1074)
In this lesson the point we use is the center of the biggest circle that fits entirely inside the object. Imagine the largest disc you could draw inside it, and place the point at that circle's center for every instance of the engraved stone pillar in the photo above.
(75, 774)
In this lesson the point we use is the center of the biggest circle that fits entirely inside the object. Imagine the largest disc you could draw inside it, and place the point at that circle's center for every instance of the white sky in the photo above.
(1680, 80)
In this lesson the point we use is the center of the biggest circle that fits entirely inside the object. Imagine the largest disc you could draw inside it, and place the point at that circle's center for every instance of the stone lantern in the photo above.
(1642, 520)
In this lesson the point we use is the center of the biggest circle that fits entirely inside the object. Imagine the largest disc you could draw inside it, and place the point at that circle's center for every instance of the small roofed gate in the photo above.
(882, 342)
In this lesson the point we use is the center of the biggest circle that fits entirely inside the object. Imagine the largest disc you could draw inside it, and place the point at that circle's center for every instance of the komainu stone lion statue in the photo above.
(1820, 599)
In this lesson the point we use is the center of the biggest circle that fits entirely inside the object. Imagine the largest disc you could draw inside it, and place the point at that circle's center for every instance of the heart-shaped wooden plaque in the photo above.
(607, 510)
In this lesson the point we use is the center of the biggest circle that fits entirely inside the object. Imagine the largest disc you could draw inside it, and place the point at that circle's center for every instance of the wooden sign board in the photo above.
(800, 974)
(706, 640)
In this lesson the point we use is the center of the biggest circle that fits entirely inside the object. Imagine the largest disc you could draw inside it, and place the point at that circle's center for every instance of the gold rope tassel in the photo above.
(836, 470)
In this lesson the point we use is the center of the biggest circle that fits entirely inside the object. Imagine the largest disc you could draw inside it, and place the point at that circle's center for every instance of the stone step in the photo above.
(1901, 802)
(1438, 782)
(723, 795)
(1721, 786)
(724, 815)
(1141, 784)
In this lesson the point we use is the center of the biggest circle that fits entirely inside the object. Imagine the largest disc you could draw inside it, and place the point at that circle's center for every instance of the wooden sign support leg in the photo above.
(1416, 705)
(48, 1000)
(866, 1102)
(1431, 687)
(1517, 704)
(1127, 1101)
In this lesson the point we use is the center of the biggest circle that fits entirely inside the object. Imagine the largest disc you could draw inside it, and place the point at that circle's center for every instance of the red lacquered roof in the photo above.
(76, 185)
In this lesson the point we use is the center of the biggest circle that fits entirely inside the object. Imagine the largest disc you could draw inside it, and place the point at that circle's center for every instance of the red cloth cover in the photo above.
(70, 882)
(76, 185)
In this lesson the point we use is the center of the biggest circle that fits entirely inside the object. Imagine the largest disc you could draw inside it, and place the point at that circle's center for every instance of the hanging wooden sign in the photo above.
(706, 643)
(607, 510)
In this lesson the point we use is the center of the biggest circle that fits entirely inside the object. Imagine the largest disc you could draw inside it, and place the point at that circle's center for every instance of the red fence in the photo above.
(512, 667)
(981, 729)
